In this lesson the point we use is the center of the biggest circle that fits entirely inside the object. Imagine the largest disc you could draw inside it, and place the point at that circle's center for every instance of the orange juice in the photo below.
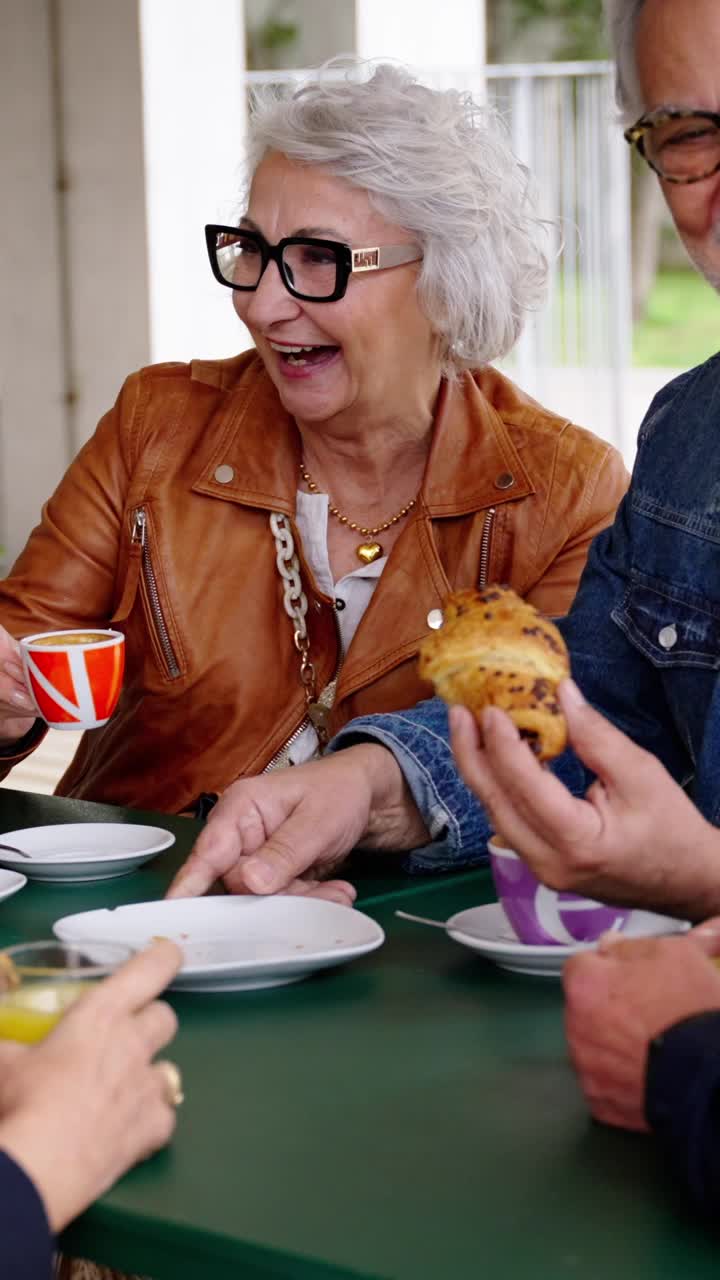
(31, 1011)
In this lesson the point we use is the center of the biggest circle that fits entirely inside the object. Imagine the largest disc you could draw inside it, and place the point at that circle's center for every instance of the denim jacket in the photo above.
(643, 631)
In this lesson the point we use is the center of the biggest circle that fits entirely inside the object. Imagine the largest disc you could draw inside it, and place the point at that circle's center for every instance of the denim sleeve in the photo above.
(682, 1103)
(419, 739)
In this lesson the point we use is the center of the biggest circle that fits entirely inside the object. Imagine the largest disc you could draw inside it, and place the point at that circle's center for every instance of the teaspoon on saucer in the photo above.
(435, 924)
(406, 915)
(11, 848)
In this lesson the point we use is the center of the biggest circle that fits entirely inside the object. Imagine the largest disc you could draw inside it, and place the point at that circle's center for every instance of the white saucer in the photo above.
(80, 851)
(10, 882)
(236, 943)
(487, 930)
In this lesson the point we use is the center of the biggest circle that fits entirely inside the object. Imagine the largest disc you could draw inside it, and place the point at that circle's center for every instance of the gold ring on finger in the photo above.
(172, 1082)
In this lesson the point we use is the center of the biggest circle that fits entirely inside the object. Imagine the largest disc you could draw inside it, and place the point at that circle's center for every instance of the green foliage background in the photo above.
(580, 24)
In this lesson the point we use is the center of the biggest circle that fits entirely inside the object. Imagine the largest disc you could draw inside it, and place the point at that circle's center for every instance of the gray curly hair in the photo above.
(439, 165)
(621, 18)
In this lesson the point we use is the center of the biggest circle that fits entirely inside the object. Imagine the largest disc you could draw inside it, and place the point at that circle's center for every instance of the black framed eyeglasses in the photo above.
(311, 269)
(680, 143)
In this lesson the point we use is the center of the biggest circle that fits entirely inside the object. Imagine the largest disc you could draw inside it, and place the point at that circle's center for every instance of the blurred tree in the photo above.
(574, 28)
(271, 33)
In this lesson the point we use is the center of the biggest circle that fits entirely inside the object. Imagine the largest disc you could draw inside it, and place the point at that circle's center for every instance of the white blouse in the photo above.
(352, 594)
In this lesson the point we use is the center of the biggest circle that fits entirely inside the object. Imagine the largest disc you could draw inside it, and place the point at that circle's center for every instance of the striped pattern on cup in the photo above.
(77, 686)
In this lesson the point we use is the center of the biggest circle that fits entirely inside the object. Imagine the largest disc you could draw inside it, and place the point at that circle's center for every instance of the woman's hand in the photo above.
(78, 1109)
(619, 998)
(17, 709)
(635, 838)
(286, 832)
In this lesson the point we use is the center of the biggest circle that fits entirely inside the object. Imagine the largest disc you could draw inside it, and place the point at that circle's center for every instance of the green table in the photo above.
(410, 1117)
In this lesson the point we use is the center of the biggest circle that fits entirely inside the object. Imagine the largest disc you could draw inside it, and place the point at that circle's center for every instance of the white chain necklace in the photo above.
(295, 603)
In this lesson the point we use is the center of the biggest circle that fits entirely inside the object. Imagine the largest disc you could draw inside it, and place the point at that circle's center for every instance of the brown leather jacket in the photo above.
(160, 527)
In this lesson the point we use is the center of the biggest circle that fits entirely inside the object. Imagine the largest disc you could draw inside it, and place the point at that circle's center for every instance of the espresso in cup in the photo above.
(71, 637)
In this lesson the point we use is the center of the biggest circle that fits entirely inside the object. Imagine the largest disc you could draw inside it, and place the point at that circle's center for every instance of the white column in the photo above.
(422, 33)
(103, 227)
(73, 299)
(33, 421)
(195, 110)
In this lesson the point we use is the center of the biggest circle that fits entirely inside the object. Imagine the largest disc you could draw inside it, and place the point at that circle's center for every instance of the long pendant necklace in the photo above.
(369, 549)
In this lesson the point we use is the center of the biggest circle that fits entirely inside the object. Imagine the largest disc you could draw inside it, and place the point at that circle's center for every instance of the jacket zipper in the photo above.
(306, 719)
(485, 547)
(140, 535)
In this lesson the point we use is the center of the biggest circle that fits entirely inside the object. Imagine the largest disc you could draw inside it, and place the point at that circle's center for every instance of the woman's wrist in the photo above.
(29, 735)
(21, 1139)
(394, 821)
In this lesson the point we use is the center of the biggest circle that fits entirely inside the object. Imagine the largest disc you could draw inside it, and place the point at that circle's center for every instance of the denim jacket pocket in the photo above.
(670, 626)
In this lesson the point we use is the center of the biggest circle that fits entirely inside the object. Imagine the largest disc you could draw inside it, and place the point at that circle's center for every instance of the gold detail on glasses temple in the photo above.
(365, 259)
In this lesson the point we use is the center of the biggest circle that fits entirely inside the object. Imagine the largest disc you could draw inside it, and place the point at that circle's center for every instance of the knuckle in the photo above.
(284, 852)
(166, 1019)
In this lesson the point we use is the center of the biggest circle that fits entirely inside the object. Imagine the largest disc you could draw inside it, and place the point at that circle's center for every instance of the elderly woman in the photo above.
(274, 532)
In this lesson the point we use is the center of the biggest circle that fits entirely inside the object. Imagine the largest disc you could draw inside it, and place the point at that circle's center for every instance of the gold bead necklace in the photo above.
(366, 551)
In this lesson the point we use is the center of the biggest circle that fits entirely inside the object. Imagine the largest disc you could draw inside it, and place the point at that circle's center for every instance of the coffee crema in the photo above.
(72, 637)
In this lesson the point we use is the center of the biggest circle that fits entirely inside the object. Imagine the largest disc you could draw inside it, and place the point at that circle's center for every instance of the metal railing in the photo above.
(574, 353)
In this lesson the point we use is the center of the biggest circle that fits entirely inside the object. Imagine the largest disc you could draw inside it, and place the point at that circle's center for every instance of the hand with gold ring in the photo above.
(81, 1107)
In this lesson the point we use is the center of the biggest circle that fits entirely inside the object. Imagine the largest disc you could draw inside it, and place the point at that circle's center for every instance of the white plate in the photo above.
(79, 851)
(487, 930)
(10, 882)
(236, 943)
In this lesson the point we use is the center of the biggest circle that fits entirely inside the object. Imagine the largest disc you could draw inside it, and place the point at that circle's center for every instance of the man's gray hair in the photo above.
(439, 165)
(621, 17)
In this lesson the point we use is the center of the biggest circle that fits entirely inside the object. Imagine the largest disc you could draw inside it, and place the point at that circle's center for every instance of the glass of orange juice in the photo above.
(40, 980)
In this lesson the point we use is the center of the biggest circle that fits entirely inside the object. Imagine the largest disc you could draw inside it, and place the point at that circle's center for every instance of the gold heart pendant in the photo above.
(368, 551)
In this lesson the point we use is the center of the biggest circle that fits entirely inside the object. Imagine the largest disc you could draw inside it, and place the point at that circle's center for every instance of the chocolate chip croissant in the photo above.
(494, 649)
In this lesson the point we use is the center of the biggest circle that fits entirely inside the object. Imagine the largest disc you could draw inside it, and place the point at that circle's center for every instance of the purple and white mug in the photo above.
(547, 917)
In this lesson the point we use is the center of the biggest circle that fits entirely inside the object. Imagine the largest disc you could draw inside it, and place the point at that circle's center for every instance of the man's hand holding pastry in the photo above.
(635, 838)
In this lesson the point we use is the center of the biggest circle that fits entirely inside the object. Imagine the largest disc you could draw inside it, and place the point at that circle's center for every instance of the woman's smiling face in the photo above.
(368, 348)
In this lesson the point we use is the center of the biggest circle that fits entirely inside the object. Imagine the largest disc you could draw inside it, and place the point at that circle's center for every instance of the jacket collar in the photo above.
(251, 452)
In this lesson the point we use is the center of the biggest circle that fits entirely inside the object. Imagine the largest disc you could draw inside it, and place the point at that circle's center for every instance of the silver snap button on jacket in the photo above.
(667, 637)
(224, 474)
(505, 480)
(435, 619)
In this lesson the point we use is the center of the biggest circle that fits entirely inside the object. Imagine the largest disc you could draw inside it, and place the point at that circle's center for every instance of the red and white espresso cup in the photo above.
(74, 677)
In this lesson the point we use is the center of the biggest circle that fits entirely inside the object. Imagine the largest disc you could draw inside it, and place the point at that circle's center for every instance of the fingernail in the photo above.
(572, 694)
(258, 875)
(191, 886)
(21, 700)
(609, 939)
(497, 722)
